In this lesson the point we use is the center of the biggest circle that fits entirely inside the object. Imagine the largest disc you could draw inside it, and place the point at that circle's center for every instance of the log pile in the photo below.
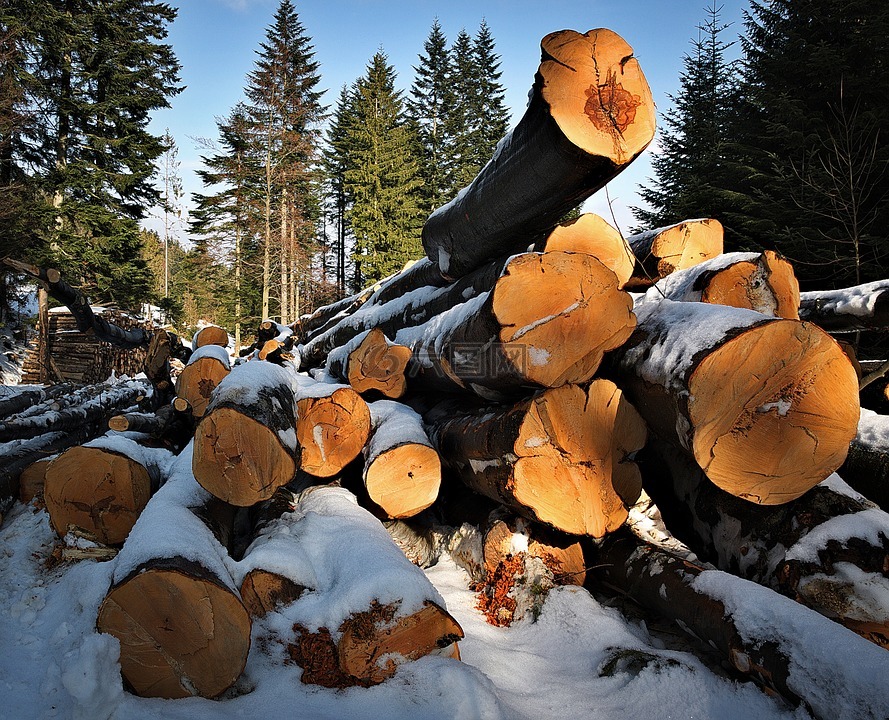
(506, 401)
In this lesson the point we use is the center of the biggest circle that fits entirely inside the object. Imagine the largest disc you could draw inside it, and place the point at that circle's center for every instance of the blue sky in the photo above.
(216, 43)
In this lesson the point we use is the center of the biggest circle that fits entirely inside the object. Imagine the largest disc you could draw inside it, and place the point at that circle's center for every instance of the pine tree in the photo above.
(462, 165)
(690, 170)
(490, 117)
(814, 138)
(383, 178)
(428, 107)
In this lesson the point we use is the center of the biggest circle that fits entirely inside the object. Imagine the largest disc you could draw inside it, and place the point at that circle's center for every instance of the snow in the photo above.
(394, 423)
(859, 300)
(679, 285)
(873, 430)
(212, 351)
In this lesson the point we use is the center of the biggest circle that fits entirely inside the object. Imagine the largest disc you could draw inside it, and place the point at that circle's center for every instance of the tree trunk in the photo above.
(206, 368)
(21, 399)
(589, 115)
(863, 307)
(766, 406)
(661, 251)
(402, 471)
(33, 479)
(764, 282)
(866, 468)
(550, 458)
(371, 363)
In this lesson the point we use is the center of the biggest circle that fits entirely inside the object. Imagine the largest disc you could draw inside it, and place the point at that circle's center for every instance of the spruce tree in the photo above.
(816, 79)
(462, 165)
(428, 108)
(383, 178)
(490, 118)
(690, 170)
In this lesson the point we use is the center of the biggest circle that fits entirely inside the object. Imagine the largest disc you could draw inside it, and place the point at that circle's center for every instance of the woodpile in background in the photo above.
(508, 401)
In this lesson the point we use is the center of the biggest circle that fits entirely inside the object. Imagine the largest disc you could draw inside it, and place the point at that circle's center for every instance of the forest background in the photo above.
(778, 129)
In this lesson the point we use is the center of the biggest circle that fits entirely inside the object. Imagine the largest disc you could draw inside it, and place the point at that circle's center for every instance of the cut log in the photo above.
(772, 639)
(332, 425)
(866, 468)
(402, 471)
(157, 360)
(766, 406)
(102, 487)
(548, 321)
(590, 113)
(550, 458)
(210, 335)
(173, 605)
(863, 307)
(206, 368)
(383, 609)
(166, 427)
(662, 250)
(420, 538)
(246, 443)
(828, 549)
(764, 282)
(32, 480)
(371, 363)
(14, 401)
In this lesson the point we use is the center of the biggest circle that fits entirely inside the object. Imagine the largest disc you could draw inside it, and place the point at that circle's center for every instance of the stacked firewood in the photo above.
(516, 399)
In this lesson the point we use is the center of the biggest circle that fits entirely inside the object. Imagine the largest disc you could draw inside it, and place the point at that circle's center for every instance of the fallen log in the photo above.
(828, 549)
(862, 307)
(663, 250)
(166, 427)
(590, 113)
(173, 605)
(33, 479)
(764, 282)
(866, 467)
(206, 368)
(781, 645)
(246, 443)
(102, 487)
(550, 458)
(548, 321)
(371, 363)
(402, 471)
(210, 335)
(370, 609)
(16, 400)
(766, 406)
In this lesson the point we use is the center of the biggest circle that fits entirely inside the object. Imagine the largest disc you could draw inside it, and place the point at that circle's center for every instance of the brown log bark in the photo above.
(32, 480)
(373, 364)
(101, 489)
(402, 471)
(764, 282)
(863, 307)
(550, 458)
(803, 548)
(766, 406)
(173, 605)
(662, 250)
(246, 444)
(206, 368)
(589, 115)
(708, 605)
(548, 321)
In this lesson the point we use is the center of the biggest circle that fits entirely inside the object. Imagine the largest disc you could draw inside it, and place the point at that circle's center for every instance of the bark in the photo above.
(766, 406)
(590, 113)
(24, 398)
(863, 307)
(206, 368)
(866, 468)
(372, 364)
(661, 251)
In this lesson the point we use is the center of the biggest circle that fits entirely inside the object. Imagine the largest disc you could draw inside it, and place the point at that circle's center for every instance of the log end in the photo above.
(332, 431)
(263, 592)
(404, 480)
(197, 381)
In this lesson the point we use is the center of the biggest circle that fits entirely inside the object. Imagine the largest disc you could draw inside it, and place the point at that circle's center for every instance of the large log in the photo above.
(245, 445)
(102, 487)
(590, 113)
(766, 406)
(866, 468)
(173, 605)
(549, 320)
(662, 250)
(370, 609)
(862, 307)
(206, 368)
(551, 458)
(780, 644)
(828, 549)
(371, 363)
(764, 282)
(210, 335)
(402, 471)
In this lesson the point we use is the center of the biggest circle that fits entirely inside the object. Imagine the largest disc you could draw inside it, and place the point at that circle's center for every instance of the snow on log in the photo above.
(828, 549)
(206, 368)
(863, 307)
(777, 642)
(766, 406)
(173, 604)
(764, 282)
(866, 468)
(371, 363)
(551, 458)
(368, 608)
(402, 471)
(590, 113)
(548, 321)
(246, 445)
(15, 400)
(102, 487)
(166, 426)
(661, 251)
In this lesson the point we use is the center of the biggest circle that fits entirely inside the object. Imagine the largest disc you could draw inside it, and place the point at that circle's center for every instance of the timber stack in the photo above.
(505, 400)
